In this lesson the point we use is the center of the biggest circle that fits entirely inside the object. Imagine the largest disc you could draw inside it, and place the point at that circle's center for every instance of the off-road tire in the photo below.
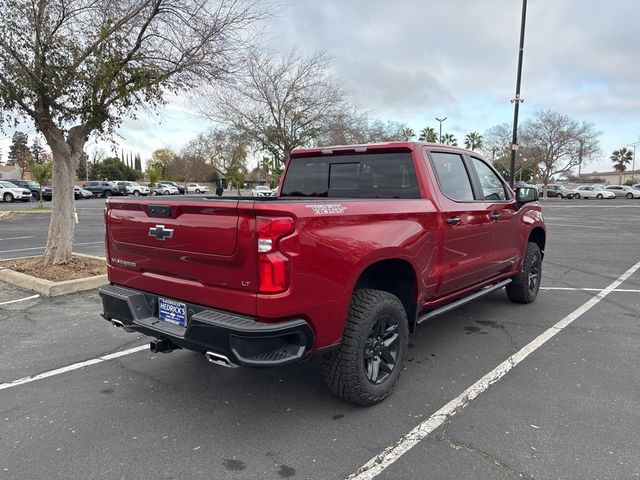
(524, 286)
(7, 197)
(344, 369)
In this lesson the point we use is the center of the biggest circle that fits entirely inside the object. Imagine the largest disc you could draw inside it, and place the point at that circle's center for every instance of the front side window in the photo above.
(492, 186)
(452, 176)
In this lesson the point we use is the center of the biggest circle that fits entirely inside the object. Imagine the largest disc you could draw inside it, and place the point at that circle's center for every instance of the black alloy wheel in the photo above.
(381, 349)
(106, 193)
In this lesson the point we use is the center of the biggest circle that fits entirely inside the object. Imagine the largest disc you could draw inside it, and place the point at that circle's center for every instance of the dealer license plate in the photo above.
(172, 311)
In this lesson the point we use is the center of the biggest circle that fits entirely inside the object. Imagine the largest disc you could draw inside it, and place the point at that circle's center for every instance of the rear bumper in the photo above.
(243, 340)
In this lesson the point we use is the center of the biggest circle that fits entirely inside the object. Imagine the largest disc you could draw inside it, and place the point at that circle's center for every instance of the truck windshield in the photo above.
(373, 175)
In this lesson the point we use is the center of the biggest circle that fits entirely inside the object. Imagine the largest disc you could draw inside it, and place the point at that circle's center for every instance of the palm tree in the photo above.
(407, 133)
(449, 139)
(428, 134)
(473, 140)
(621, 158)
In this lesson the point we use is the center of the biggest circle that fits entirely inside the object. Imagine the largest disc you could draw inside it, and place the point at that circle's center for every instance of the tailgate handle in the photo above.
(162, 211)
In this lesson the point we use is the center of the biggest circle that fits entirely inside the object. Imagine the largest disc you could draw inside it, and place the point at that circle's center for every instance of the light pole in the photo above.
(440, 120)
(517, 100)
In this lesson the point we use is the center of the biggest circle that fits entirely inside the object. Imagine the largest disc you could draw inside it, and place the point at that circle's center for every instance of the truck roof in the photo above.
(367, 147)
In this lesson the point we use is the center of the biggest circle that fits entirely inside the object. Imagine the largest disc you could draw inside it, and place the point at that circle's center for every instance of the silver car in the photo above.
(623, 191)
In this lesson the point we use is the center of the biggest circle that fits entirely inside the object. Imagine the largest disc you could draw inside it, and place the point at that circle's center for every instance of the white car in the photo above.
(262, 191)
(133, 188)
(623, 191)
(165, 189)
(590, 191)
(196, 188)
(10, 192)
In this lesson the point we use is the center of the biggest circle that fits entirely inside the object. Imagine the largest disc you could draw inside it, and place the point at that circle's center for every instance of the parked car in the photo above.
(636, 186)
(134, 188)
(80, 193)
(555, 190)
(10, 192)
(264, 282)
(623, 191)
(31, 185)
(104, 189)
(47, 193)
(589, 191)
(180, 188)
(162, 188)
(262, 191)
(196, 188)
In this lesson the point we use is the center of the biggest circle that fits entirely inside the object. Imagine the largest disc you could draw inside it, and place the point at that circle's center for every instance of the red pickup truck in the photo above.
(361, 245)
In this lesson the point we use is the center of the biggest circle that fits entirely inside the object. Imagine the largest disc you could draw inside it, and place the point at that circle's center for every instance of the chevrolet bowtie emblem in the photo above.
(160, 232)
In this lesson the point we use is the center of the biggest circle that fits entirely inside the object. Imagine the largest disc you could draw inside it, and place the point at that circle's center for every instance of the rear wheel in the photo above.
(524, 286)
(370, 359)
(8, 197)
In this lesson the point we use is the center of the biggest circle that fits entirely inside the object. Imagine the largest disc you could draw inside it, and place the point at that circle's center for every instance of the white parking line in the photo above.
(572, 289)
(389, 455)
(70, 368)
(41, 248)
(20, 300)
(17, 238)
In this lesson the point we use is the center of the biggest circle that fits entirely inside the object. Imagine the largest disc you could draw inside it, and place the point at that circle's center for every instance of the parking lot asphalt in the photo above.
(570, 409)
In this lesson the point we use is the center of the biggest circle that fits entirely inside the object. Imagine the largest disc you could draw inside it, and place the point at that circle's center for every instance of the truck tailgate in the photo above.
(196, 250)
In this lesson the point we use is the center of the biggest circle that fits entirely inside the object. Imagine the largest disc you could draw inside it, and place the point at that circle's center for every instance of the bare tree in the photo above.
(281, 104)
(79, 67)
(557, 143)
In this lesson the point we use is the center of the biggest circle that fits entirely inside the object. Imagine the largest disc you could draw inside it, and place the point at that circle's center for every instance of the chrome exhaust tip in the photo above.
(118, 324)
(219, 359)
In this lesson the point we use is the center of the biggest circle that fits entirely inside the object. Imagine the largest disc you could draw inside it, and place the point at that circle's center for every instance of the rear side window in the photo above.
(452, 176)
(376, 175)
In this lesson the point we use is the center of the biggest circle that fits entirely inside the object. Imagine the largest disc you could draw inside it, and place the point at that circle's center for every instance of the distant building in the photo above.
(9, 172)
(612, 178)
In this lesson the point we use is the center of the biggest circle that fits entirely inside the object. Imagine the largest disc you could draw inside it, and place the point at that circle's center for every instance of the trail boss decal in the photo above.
(327, 208)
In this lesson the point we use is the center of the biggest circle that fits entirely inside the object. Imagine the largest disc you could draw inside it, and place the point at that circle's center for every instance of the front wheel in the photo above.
(136, 193)
(599, 196)
(629, 195)
(106, 193)
(8, 197)
(370, 359)
(524, 286)
(577, 196)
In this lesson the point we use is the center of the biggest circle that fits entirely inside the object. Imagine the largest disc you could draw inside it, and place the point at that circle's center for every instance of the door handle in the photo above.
(494, 216)
(453, 220)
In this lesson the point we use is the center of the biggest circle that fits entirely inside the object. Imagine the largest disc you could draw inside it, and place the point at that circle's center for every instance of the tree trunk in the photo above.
(66, 156)
(62, 226)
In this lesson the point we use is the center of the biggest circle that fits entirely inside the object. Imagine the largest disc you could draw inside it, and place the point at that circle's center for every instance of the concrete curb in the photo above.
(48, 288)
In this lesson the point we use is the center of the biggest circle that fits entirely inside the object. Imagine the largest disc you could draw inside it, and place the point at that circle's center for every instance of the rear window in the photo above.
(376, 175)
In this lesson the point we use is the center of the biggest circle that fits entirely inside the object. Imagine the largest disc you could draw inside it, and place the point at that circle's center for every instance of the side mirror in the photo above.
(526, 194)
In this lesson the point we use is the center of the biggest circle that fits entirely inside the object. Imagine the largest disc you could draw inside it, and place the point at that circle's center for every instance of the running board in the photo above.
(463, 301)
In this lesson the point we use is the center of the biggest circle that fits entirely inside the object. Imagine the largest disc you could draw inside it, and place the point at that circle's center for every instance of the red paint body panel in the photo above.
(211, 258)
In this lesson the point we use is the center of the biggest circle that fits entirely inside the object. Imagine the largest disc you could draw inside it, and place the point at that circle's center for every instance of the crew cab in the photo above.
(362, 244)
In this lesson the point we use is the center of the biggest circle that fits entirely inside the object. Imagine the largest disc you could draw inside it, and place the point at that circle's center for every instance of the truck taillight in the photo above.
(273, 265)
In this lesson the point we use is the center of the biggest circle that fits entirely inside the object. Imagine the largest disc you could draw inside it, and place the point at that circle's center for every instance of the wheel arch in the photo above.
(539, 237)
(395, 276)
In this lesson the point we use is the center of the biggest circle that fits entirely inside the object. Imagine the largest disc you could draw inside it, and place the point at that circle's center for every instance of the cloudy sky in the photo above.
(414, 60)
